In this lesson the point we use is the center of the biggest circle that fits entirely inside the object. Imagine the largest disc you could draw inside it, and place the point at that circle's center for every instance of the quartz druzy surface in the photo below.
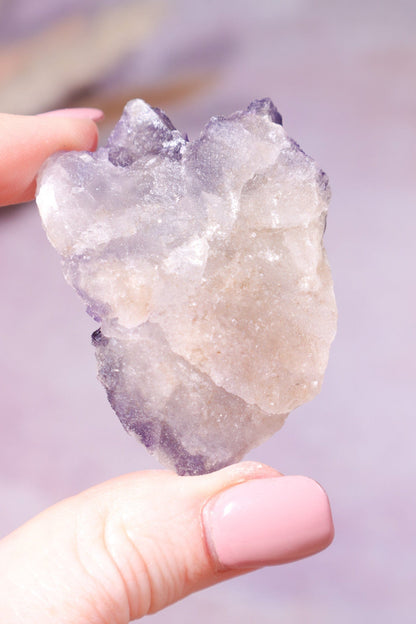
(203, 263)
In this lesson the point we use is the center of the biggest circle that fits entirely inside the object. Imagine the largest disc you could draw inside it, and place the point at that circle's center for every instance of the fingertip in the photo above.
(63, 133)
(267, 522)
(95, 114)
(27, 141)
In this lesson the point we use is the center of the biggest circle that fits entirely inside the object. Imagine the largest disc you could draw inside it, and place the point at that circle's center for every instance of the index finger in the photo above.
(27, 141)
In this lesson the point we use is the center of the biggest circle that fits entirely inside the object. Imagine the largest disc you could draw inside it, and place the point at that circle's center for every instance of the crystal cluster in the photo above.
(203, 263)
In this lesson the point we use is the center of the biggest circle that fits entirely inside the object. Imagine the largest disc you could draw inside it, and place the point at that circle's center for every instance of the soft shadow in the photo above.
(7, 213)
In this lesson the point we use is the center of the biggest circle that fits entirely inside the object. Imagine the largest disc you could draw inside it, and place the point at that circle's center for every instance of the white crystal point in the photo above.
(203, 262)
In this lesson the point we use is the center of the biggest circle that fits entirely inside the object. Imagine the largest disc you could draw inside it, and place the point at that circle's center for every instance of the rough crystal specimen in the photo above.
(203, 263)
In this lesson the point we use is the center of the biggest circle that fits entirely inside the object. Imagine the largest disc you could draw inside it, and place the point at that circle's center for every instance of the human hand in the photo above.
(133, 545)
(26, 142)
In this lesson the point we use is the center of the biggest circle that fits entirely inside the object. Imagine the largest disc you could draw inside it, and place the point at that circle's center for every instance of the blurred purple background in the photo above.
(343, 75)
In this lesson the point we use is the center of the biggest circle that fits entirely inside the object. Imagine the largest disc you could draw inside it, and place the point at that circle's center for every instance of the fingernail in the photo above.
(267, 522)
(76, 113)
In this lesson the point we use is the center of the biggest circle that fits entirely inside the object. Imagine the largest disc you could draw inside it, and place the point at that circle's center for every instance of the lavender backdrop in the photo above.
(343, 76)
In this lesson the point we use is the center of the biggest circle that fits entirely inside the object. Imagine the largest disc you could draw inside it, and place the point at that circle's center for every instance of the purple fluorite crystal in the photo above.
(203, 263)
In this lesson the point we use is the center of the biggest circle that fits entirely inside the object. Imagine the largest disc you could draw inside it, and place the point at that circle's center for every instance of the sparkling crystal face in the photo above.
(203, 263)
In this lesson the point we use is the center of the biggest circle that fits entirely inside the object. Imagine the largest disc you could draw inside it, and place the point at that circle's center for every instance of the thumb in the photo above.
(133, 545)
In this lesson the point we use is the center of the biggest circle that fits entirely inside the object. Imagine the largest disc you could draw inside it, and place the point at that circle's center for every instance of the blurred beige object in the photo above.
(163, 94)
(70, 55)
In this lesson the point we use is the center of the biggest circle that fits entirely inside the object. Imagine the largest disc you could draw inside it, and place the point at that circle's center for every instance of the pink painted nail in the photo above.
(76, 113)
(267, 522)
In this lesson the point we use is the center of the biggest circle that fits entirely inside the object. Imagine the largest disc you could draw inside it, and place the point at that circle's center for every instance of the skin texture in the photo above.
(26, 142)
(124, 549)
(133, 545)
